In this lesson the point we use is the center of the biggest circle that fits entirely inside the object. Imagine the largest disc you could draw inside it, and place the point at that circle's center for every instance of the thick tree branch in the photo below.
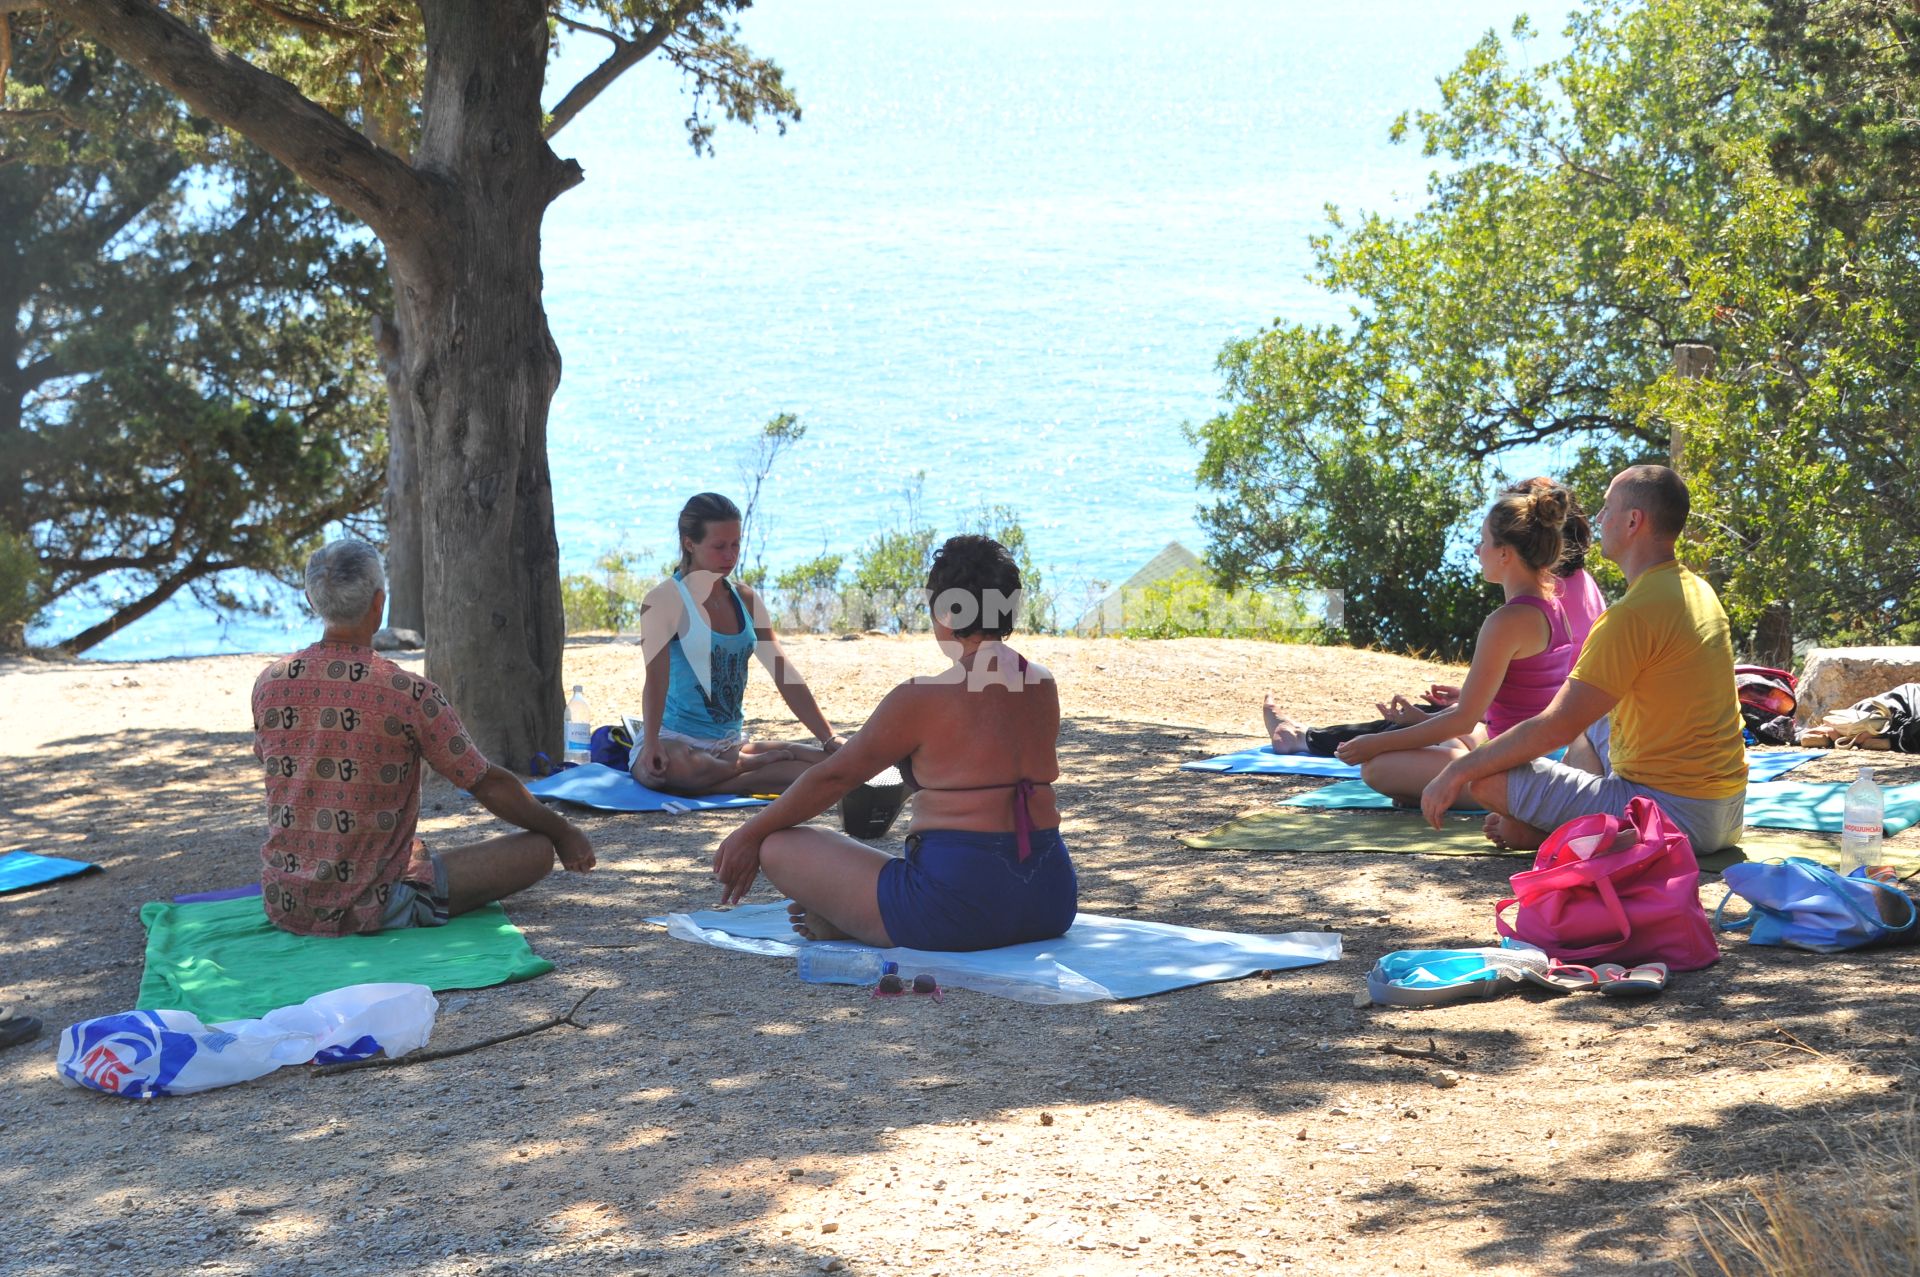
(626, 54)
(196, 567)
(337, 160)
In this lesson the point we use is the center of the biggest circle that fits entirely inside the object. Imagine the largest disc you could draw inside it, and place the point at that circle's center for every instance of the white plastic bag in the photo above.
(147, 1053)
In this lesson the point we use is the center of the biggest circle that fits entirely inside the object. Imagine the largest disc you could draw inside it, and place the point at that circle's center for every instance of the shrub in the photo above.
(22, 582)
(608, 598)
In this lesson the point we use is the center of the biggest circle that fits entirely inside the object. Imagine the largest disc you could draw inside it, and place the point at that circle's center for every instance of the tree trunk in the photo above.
(480, 371)
(1773, 637)
(406, 577)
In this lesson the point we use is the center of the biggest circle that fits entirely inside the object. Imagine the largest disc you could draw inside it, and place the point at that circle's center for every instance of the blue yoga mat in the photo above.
(1771, 764)
(604, 788)
(1099, 958)
(1350, 795)
(1262, 761)
(22, 869)
(1764, 765)
(1794, 805)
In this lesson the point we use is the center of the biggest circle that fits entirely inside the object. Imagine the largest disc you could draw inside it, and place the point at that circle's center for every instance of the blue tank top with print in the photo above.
(707, 672)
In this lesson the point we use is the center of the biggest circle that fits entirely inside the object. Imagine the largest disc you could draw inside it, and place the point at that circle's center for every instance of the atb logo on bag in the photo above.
(132, 1053)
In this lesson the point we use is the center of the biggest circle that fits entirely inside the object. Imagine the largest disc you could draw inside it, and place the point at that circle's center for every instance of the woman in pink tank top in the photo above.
(1520, 658)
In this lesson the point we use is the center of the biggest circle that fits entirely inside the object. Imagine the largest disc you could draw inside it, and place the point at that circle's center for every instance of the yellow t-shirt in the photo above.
(1664, 651)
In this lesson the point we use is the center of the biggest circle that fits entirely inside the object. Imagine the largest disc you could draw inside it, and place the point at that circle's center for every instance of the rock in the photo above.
(1836, 677)
(1446, 1079)
(385, 640)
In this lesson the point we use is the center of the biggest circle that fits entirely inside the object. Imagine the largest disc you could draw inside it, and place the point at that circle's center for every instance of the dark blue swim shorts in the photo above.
(958, 890)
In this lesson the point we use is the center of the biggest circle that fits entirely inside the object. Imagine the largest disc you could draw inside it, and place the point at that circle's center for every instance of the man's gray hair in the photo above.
(342, 578)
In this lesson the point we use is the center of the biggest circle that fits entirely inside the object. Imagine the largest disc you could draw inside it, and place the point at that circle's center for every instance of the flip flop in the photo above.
(1642, 981)
(1565, 977)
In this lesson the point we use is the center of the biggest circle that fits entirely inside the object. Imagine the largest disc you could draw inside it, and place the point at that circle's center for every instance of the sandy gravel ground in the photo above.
(720, 1117)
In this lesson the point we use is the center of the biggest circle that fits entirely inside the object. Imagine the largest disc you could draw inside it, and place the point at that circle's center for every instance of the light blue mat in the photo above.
(1099, 958)
(22, 869)
(1262, 761)
(1821, 808)
(1764, 765)
(603, 788)
(1351, 795)
(1772, 764)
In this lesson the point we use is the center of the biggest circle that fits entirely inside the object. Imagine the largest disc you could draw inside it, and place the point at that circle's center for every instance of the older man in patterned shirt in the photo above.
(342, 732)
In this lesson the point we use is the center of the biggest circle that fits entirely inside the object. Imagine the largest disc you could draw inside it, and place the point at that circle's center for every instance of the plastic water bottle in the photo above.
(819, 964)
(1866, 812)
(579, 729)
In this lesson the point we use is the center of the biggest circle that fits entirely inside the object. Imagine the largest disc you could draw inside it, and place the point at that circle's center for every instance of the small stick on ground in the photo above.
(427, 1057)
(1432, 1054)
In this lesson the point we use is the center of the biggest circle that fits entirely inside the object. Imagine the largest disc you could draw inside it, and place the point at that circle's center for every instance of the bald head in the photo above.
(1659, 493)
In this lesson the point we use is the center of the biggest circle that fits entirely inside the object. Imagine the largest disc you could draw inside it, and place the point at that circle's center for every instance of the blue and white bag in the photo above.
(142, 1054)
(1802, 904)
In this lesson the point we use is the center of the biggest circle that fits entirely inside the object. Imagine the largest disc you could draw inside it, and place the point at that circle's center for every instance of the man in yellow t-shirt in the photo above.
(1649, 709)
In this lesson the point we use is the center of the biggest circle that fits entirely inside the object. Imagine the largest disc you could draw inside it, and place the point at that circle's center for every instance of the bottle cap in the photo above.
(576, 687)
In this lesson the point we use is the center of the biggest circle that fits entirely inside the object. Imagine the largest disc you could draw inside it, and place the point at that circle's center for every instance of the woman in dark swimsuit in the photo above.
(984, 865)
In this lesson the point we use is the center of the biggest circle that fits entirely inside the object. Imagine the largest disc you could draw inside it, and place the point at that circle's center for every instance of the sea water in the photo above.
(994, 264)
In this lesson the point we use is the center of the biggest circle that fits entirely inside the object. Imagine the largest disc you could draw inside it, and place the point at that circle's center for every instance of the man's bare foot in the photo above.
(812, 925)
(1288, 737)
(1514, 835)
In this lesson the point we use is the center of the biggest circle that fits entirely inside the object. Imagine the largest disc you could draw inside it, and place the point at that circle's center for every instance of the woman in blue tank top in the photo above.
(700, 631)
(985, 865)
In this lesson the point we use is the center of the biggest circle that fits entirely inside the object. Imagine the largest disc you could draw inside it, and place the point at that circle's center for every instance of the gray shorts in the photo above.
(418, 904)
(1546, 795)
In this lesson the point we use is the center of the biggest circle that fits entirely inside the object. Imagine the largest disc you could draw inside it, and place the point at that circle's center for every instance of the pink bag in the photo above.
(1584, 902)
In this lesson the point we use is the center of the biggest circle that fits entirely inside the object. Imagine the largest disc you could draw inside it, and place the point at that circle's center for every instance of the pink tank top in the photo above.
(1533, 681)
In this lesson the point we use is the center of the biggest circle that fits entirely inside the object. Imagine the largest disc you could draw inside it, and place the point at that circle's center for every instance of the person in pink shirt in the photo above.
(1520, 657)
(1576, 591)
(342, 732)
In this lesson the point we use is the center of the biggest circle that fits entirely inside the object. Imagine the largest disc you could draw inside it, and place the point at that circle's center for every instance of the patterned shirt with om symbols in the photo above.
(341, 731)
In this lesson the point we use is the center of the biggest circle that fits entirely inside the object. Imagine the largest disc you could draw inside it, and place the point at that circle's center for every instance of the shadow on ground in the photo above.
(718, 1115)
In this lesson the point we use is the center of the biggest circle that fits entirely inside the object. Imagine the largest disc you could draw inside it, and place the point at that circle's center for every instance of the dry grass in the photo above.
(1855, 1213)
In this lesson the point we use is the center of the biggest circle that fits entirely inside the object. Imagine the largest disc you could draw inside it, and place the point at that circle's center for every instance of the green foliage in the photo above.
(1189, 605)
(1595, 210)
(889, 580)
(809, 593)
(22, 586)
(195, 389)
(606, 599)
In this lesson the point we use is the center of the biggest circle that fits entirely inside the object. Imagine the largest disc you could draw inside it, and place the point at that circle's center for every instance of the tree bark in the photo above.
(461, 226)
(480, 368)
(1773, 637)
(406, 574)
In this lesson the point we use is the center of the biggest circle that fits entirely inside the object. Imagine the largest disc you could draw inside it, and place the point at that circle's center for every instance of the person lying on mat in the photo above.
(699, 631)
(1573, 587)
(1650, 707)
(342, 731)
(985, 865)
(1520, 658)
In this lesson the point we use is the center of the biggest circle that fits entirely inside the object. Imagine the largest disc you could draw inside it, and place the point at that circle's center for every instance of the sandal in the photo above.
(1565, 977)
(1643, 981)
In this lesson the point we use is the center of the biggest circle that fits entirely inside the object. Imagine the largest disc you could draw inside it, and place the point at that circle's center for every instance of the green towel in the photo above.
(223, 960)
(1406, 833)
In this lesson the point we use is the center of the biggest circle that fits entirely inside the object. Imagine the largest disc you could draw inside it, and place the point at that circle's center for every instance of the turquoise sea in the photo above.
(1002, 249)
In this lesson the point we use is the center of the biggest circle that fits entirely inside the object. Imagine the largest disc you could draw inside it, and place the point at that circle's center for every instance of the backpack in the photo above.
(1768, 698)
